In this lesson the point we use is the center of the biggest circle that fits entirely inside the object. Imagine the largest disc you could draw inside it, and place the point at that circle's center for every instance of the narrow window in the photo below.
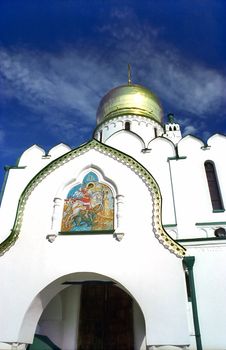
(101, 135)
(127, 126)
(213, 186)
(155, 131)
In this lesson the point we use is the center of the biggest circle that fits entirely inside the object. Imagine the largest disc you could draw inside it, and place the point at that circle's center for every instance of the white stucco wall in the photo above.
(210, 286)
(29, 164)
(139, 262)
(182, 179)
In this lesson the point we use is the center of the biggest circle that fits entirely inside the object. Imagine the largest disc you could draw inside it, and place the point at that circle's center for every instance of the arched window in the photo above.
(213, 186)
(127, 126)
(89, 206)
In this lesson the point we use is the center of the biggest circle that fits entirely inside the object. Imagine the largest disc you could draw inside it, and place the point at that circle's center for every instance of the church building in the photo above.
(120, 243)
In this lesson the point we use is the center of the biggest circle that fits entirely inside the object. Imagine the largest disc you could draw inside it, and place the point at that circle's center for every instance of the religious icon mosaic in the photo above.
(89, 206)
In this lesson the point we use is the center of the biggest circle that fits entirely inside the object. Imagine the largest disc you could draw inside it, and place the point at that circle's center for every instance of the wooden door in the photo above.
(106, 318)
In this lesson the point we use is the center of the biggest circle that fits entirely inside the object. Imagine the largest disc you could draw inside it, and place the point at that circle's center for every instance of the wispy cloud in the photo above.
(191, 86)
(64, 88)
(189, 129)
(42, 80)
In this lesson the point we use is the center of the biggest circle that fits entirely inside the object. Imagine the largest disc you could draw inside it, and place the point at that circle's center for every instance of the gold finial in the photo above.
(129, 75)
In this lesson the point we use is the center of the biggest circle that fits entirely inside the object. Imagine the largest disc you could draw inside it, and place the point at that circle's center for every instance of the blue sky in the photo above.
(59, 57)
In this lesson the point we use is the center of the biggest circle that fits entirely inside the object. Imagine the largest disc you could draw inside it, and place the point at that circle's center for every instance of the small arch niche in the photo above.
(88, 207)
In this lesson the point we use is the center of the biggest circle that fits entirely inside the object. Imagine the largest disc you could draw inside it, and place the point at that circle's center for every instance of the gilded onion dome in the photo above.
(129, 99)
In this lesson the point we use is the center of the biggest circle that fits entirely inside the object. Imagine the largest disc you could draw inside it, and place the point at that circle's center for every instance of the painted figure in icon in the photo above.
(88, 207)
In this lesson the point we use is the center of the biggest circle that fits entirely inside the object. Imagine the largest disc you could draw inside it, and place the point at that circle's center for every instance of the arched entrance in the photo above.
(106, 318)
(90, 312)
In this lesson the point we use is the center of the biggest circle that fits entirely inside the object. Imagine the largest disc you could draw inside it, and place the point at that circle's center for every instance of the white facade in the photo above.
(140, 166)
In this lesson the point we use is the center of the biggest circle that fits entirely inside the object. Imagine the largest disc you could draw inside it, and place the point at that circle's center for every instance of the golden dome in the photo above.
(129, 99)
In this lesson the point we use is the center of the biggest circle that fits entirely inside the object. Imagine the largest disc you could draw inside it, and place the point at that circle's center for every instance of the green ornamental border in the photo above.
(123, 158)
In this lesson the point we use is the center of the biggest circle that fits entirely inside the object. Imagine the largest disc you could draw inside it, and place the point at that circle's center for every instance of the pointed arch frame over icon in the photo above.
(158, 230)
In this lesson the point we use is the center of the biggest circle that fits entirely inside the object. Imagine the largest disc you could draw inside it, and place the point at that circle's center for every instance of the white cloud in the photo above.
(194, 89)
(42, 81)
(190, 129)
(189, 86)
(65, 87)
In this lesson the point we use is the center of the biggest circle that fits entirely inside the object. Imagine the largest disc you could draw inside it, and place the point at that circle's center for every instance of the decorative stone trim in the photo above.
(55, 217)
(135, 117)
(51, 237)
(121, 157)
(18, 346)
(119, 232)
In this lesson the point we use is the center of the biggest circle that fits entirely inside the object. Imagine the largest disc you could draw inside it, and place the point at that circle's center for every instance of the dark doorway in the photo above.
(106, 318)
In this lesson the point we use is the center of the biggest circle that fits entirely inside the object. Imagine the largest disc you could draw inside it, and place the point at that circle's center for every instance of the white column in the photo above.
(55, 219)
(119, 232)
(56, 214)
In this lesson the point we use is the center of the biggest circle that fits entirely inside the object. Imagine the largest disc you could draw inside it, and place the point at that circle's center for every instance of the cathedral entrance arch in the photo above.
(89, 312)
